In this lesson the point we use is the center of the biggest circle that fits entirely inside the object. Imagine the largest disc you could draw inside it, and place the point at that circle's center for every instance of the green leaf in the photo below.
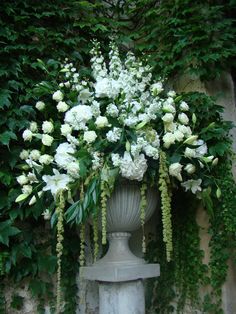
(6, 231)
(21, 198)
(6, 136)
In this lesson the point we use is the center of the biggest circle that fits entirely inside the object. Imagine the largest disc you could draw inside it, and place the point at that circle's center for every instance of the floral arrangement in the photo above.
(117, 123)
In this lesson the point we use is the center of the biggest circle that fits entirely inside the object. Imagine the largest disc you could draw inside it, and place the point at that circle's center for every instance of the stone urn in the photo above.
(123, 217)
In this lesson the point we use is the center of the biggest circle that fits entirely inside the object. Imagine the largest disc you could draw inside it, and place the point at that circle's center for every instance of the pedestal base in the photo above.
(121, 298)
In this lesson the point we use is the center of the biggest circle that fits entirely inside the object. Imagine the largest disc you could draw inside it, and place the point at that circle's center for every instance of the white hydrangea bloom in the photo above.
(112, 110)
(114, 135)
(133, 169)
(64, 155)
(47, 127)
(116, 160)
(175, 170)
(78, 116)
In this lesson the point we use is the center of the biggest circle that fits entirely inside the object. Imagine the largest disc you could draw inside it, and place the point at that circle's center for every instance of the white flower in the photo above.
(64, 155)
(112, 110)
(24, 154)
(96, 161)
(102, 88)
(114, 135)
(34, 164)
(78, 116)
(171, 93)
(156, 88)
(22, 179)
(90, 136)
(56, 183)
(33, 199)
(66, 129)
(73, 170)
(201, 150)
(46, 214)
(191, 140)
(84, 95)
(95, 107)
(27, 135)
(168, 118)
(151, 151)
(47, 127)
(57, 96)
(190, 152)
(133, 169)
(101, 122)
(40, 105)
(27, 189)
(46, 159)
(168, 108)
(116, 160)
(35, 154)
(190, 168)
(168, 139)
(62, 106)
(183, 118)
(72, 140)
(193, 185)
(47, 140)
(175, 170)
(183, 106)
(178, 135)
(185, 129)
(32, 177)
(33, 126)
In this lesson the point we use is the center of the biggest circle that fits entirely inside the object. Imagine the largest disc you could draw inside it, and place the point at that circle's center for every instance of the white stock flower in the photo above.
(35, 154)
(190, 168)
(62, 106)
(183, 118)
(57, 96)
(46, 159)
(33, 127)
(27, 189)
(56, 183)
(90, 136)
(66, 129)
(47, 127)
(27, 135)
(101, 122)
(175, 170)
(168, 139)
(183, 106)
(40, 105)
(78, 116)
(116, 160)
(190, 152)
(47, 140)
(133, 169)
(193, 185)
(22, 179)
(24, 154)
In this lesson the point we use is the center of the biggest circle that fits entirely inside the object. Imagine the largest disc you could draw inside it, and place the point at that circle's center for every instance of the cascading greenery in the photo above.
(174, 33)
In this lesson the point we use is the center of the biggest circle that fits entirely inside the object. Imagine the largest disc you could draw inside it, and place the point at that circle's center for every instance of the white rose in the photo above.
(101, 122)
(168, 108)
(171, 93)
(45, 159)
(58, 96)
(156, 88)
(40, 105)
(183, 106)
(190, 168)
(33, 127)
(47, 127)
(190, 152)
(22, 180)
(27, 189)
(66, 129)
(175, 170)
(168, 139)
(35, 154)
(24, 154)
(90, 136)
(47, 140)
(183, 118)
(27, 135)
(62, 106)
(168, 118)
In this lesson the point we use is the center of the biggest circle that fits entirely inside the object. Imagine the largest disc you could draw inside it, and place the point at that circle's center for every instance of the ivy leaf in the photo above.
(6, 136)
(5, 97)
(6, 231)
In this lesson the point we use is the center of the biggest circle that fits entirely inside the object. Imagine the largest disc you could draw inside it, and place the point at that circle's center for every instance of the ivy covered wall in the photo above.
(180, 37)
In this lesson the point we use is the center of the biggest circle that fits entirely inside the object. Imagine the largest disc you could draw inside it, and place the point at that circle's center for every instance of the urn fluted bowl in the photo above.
(123, 207)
